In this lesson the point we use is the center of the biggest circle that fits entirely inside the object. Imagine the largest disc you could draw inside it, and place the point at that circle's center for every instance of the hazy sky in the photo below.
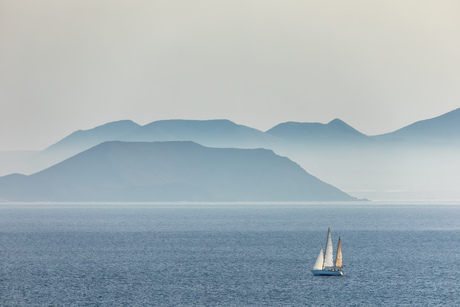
(76, 64)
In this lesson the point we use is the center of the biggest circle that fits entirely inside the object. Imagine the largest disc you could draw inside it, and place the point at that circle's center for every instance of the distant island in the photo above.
(170, 171)
(419, 161)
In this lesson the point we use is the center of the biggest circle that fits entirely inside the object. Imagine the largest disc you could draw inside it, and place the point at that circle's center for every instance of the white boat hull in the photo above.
(327, 273)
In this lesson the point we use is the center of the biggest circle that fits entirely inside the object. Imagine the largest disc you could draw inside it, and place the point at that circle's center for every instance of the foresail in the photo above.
(319, 261)
(328, 256)
(338, 259)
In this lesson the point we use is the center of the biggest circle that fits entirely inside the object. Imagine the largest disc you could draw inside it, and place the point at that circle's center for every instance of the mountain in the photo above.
(213, 133)
(170, 171)
(71, 145)
(417, 161)
(444, 128)
(81, 140)
(335, 130)
(13, 161)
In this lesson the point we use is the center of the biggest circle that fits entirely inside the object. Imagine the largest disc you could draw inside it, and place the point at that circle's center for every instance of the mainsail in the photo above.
(328, 255)
(319, 261)
(338, 258)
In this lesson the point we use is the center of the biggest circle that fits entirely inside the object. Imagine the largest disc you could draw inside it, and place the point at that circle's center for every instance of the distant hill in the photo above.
(417, 161)
(213, 133)
(444, 128)
(170, 171)
(13, 161)
(336, 130)
(71, 145)
(81, 140)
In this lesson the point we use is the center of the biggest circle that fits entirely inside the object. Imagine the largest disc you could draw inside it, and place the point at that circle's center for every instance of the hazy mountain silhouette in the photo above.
(334, 131)
(214, 133)
(417, 161)
(13, 161)
(71, 145)
(439, 129)
(170, 171)
(81, 140)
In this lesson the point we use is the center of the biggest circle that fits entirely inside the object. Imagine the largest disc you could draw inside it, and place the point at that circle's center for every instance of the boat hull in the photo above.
(327, 273)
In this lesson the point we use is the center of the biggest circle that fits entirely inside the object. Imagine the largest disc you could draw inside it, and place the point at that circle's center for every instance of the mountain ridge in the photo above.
(214, 133)
(86, 139)
(304, 131)
(445, 127)
(170, 171)
(407, 159)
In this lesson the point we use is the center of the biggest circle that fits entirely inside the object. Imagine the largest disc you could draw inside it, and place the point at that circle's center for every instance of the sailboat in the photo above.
(324, 265)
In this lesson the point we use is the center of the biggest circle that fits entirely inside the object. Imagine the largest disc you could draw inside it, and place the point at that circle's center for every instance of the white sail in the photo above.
(319, 261)
(338, 257)
(328, 255)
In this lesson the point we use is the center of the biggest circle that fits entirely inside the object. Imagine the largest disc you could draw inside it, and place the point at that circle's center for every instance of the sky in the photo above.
(76, 64)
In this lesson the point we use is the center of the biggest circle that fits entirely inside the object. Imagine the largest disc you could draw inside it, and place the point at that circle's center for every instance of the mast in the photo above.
(328, 254)
(338, 257)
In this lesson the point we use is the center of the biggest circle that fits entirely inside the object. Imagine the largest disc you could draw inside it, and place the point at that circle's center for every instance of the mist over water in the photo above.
(384, 171)
(230, 255)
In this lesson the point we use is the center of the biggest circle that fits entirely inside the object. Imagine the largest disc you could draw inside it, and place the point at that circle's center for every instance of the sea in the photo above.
(230, 254)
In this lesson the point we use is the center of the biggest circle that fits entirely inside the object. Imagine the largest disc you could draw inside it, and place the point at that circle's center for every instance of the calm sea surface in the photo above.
(227, 255)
